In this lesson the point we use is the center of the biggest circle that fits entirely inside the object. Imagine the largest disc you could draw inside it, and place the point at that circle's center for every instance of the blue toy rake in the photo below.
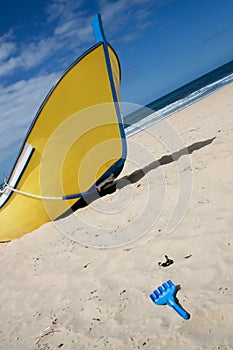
(165, 295)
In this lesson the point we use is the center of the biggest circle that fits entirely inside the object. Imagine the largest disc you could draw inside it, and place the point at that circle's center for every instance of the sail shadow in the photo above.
(136, 175)
(174, 157)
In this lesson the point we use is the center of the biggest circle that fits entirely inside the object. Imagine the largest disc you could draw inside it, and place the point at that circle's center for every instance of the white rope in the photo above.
(8, 187)
(32, 195)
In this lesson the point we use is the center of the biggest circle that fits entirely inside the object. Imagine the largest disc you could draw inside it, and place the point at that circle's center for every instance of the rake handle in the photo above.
(178, 309)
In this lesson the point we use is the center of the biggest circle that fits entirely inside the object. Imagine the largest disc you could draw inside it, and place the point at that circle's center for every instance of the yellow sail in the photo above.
(76, 141)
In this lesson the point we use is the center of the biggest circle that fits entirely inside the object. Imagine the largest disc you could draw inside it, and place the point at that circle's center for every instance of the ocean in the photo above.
(178, 99)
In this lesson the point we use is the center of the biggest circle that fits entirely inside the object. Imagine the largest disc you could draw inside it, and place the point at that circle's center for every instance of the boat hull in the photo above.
(76, 141)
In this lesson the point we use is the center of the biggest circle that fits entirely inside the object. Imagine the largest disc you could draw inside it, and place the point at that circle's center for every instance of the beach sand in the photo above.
(84, 281)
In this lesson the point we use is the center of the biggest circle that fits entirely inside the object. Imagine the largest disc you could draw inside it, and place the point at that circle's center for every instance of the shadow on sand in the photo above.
(136, 175)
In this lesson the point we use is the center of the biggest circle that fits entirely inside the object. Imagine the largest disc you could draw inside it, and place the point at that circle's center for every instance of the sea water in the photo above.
(178, 99)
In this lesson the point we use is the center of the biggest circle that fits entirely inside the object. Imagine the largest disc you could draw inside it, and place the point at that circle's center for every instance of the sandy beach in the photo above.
(83, 282)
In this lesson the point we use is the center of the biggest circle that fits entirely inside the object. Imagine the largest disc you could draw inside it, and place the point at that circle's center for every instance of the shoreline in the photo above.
(146, 122)
(157, 115)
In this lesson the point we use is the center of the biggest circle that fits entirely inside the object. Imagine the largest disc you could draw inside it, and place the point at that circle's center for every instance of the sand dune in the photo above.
(83, 282)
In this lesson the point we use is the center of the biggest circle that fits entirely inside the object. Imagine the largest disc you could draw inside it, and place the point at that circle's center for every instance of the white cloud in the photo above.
(65, 10)
(10, 65)
(26, 56)
(68, 18)
(19, 103)
(37, 52)
(64, 28)
(6, 49)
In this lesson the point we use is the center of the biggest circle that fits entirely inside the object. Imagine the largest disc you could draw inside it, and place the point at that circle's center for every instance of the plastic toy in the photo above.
(165, 295)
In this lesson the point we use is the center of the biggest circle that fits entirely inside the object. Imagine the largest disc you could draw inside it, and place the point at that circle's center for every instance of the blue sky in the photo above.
(161, 44)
